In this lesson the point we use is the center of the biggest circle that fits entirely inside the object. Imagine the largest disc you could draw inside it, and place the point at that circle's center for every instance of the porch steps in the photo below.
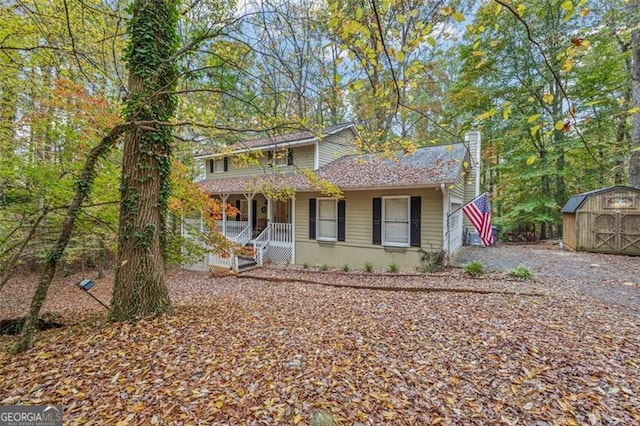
(246, 263)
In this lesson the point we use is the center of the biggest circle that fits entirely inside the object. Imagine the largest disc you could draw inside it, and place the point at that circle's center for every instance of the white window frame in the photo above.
(455, 220)
(383, 221)
(335, 220)
(280, 157)
(218, 165)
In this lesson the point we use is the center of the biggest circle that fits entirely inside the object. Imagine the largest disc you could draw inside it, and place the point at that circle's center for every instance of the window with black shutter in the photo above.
(377, 221)
(342, 220)
(396, 221)
(289, 156)
(226, 164)
(312, 218)
(416, 214)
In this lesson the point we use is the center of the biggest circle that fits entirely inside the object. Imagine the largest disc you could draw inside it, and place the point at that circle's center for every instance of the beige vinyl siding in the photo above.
(335, 146)
(457, 190)
(358, 247)
(469, 186)
(303, 158)
(467, 177)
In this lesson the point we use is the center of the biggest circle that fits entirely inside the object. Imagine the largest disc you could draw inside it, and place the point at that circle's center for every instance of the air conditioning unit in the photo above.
(473, 239)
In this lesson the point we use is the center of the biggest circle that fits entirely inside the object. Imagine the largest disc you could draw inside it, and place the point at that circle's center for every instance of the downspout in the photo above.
(446, 206)
(293, 231)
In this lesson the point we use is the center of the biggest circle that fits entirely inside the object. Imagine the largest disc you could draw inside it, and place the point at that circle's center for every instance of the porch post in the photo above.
(250, 211)
(224, 199)
(293, 231)
(269, 213)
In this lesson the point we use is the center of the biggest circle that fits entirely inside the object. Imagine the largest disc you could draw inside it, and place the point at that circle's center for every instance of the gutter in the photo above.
(302, 142)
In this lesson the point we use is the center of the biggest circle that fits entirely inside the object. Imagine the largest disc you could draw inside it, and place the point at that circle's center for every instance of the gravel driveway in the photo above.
(612, 278)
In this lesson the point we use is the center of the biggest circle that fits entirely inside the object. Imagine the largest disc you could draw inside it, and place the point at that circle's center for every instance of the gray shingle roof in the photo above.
(430, 166)
(280, 140)
(576, 201)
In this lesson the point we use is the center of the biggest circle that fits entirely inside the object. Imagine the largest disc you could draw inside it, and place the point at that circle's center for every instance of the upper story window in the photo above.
(280, 158)
(219, 165)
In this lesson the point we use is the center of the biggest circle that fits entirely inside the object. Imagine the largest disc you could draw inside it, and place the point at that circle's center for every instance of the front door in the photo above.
(282, 212)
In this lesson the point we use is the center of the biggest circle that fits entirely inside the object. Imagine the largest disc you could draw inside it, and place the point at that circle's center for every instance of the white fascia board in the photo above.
(378, 188)
(302, 142)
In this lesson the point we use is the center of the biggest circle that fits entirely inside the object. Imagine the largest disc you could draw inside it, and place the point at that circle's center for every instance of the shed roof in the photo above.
(303, 137)
(430, 166)
(576, 201)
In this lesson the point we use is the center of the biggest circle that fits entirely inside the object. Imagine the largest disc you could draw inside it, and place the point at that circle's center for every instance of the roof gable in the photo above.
(576, 201)
(305, 137)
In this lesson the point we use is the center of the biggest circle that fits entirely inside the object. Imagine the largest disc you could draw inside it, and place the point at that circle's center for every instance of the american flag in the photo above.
(478, 212)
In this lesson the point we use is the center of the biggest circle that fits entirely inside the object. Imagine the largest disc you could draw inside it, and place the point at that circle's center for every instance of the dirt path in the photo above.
(611, 278)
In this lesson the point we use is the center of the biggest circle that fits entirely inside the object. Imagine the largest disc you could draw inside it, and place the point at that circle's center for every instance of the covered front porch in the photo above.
(265, 224)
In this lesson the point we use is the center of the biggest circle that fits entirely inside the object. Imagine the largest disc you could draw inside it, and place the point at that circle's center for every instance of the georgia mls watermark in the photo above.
(31, 415)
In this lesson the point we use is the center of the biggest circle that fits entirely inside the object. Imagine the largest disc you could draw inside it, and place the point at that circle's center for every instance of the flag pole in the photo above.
(468, 202)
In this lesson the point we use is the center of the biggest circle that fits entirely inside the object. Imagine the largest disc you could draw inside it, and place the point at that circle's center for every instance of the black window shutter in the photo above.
(312, 218)
(289, 156)
(238, 207)
(226, 164)
(254, 212)
(416, 214)
(341, 220)
(211, 163)
(270, 158)
(377, 221)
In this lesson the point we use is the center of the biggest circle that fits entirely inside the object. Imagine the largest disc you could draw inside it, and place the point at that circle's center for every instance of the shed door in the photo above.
(630, 233)
(616, 232)
(605, 230)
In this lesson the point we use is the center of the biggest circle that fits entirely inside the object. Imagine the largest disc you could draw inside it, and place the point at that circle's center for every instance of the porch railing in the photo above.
(281, 232)
(261, 244)
(243, 237)
(235, 228)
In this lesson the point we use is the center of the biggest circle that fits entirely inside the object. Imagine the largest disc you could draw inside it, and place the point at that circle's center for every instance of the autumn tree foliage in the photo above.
(549, 85)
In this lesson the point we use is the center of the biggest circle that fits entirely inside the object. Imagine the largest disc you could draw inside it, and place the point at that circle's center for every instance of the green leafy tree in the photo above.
(530, 82)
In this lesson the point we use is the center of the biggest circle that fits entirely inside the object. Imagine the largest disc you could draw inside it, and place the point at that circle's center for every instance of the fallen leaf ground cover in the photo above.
(250, 351)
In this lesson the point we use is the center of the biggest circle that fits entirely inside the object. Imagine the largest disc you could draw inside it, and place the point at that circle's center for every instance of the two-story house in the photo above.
(392, 205)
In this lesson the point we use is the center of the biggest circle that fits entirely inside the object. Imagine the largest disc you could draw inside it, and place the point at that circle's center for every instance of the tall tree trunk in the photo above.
(83, 188)
(558, 141)
(634, 163)
(139, 288)
(618, 161)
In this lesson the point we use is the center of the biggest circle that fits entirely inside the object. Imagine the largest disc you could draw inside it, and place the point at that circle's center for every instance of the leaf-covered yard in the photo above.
(249, 351)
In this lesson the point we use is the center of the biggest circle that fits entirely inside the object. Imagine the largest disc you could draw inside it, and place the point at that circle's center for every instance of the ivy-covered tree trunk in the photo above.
(139, 288)
(83, 188)
(634, 163)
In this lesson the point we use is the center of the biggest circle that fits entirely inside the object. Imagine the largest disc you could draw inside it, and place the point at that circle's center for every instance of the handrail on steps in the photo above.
(261, 243)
